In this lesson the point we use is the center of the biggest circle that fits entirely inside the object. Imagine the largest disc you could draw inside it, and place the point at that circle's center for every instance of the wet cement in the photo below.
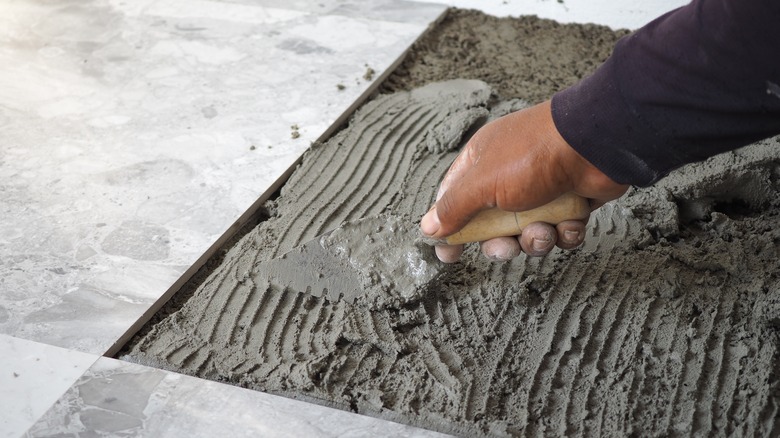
(377, 259)
(665, 323)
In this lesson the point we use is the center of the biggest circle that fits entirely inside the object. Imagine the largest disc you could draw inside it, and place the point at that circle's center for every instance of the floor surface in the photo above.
(135, 138)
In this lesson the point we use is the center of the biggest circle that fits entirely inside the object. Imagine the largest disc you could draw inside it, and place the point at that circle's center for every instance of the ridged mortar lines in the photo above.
(577, 406)
(301, 183)
(502, 371)
(656, 378)
(733, 352)
(693, 364)
(606, 360)
(412, 127)
(644, 352)
(332, 212)
(570, 375)
(284, 336)
(341, 203)
(558, 320)
(707, 384)
(769, 416)
(247, 316)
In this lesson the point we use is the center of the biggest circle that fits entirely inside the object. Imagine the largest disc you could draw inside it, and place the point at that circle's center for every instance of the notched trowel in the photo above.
(385, 256)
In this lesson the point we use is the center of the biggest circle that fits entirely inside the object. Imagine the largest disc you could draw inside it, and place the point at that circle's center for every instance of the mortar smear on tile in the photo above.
(664, 323)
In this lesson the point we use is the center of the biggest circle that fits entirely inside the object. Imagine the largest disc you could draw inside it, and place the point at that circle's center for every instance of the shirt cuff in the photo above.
(593, 118)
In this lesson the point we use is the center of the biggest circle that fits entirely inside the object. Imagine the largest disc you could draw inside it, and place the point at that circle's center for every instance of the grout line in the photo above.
(253, 209)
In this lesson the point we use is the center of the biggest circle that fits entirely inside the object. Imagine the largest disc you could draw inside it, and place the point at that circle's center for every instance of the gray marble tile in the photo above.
(115, 398)
(402, 11)
(33, 377)
(617, 15)
(134, 134)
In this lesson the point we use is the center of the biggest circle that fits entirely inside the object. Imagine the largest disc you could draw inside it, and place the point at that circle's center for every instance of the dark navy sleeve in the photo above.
(697, 81)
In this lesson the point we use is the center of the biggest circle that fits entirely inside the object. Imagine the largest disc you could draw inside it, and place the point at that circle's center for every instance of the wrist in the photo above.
(582, 177)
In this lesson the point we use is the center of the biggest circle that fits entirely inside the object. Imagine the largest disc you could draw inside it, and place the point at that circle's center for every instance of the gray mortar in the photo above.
(379, 260)
(665, 323)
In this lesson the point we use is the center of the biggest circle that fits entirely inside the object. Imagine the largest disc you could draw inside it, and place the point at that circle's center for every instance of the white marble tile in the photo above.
(402, 11)
(134, 134)
(33, 377)
(115, 398)
(615, 14)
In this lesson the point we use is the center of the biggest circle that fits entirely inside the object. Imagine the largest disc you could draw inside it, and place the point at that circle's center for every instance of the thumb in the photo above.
(463, 199)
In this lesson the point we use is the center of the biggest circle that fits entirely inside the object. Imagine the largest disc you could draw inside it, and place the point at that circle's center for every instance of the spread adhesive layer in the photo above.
(666, 322)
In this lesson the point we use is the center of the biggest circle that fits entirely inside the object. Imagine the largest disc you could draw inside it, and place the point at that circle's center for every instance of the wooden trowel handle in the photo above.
(498, 223)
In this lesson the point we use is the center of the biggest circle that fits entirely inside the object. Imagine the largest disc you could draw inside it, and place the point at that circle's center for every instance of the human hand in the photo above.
(516, 163)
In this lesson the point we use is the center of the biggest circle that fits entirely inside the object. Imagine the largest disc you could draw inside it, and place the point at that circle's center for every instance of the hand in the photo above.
(516, 163)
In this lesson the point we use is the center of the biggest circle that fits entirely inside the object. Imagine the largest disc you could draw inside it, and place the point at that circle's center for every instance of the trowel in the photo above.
(386, 257)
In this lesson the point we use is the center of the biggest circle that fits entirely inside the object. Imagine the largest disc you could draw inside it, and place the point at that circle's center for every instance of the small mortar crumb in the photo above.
(295, 131)
(341, 87)
(369, 74)
(251, 148)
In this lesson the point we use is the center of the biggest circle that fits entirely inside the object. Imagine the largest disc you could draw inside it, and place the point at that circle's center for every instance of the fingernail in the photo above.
(571, 236)
(448, 254)
(429, 224)
(501, 249)
(540, 244)
(494, 255)
(504, 256)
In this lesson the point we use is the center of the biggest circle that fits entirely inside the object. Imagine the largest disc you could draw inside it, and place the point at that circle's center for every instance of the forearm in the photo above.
(689, 85)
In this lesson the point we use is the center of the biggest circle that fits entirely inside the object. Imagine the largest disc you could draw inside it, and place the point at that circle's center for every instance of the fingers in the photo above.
(538, 239)
(571, 234)
(430, 224)
(501, 249)
(462, 163)
(459, 209)
(449, 253)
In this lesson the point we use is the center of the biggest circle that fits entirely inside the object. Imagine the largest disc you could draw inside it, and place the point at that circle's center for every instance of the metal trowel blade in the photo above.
(379, 256)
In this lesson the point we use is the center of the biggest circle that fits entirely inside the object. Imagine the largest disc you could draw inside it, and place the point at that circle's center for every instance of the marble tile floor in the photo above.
(135, 136)
(50, 391)
(32, 377)
(115, 397)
